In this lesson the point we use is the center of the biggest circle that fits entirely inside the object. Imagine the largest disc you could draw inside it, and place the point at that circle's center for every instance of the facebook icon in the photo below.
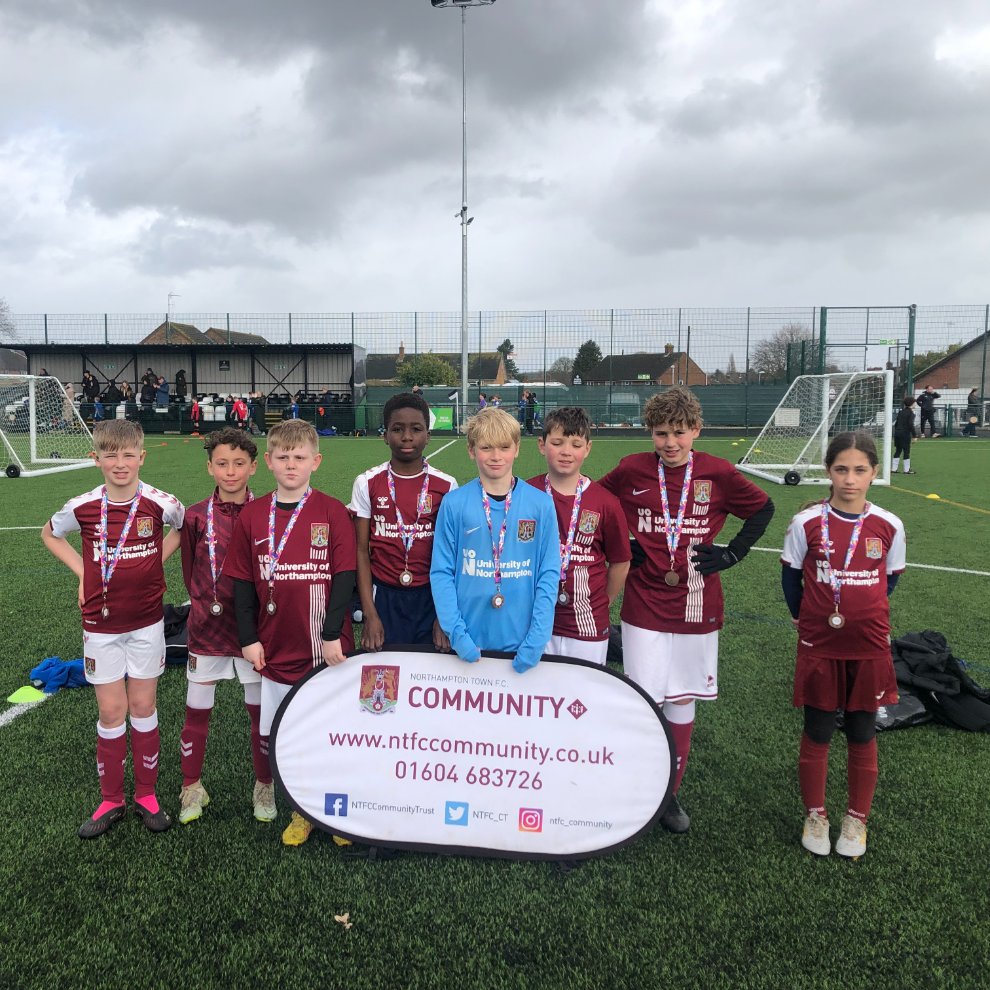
(335, 804)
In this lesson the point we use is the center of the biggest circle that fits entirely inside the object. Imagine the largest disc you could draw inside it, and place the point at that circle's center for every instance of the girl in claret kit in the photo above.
(841, 560)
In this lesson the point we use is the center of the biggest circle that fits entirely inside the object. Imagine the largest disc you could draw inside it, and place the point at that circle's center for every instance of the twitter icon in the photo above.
(455, 813)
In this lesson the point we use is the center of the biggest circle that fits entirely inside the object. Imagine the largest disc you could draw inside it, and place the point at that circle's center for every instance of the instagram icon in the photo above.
(530, 819)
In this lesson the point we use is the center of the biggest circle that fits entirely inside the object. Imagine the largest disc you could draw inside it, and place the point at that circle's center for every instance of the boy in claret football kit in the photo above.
(676, 500)
(496, 554)
(121, 584)
(293, 560)
(594, 539)
(214, 649)
(395, 506)
(841, 560)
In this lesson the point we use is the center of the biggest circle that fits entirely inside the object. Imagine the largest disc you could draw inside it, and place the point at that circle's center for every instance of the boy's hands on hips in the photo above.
(254, 653)
(332, 652)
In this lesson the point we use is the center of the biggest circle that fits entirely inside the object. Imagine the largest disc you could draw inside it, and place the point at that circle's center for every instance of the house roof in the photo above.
(969, 345)
(186, 333)
(628, 367)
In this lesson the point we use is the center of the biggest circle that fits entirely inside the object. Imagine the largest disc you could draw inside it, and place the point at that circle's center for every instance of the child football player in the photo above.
(496, 554)
(214, 649)
(396, 506)
(594, 539)
(121, 584)
(841, 560)
(676, 500)
(293, 561)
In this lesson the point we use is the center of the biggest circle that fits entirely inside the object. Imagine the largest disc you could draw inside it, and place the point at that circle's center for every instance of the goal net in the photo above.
(40, 427)
(791, 447)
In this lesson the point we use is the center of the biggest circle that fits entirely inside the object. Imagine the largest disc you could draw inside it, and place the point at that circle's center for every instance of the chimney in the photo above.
(668, 349)
(402, 351)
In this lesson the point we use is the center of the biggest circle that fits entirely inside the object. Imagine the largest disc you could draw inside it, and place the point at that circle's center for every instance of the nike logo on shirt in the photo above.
(258, 543)
(640, 491)
(473, 529)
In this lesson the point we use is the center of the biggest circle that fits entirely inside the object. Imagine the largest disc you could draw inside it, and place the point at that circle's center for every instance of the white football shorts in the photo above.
(671, 666)
(139, 653)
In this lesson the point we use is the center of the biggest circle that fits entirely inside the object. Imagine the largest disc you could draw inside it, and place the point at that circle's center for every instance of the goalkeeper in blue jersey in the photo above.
(496, 553)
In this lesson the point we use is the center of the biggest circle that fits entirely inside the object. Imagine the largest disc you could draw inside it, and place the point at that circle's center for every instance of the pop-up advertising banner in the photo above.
(420, 750)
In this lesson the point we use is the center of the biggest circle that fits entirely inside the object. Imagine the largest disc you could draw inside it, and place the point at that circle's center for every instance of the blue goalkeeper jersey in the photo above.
(462, 574)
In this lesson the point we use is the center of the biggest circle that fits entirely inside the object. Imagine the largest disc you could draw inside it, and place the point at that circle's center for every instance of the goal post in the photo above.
(41, 429)
(790, 449)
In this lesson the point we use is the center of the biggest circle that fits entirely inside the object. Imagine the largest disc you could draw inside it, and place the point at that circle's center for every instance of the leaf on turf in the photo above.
(344, 919)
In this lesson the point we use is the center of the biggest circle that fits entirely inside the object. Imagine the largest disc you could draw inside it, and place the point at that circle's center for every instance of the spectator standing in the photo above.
(113, 394)
(148, 393)
(161, 393)
(90, 386)
(181, 386)
(926, 403)
(150, 378)
(258, 412)
(530, 412)
(972, 413)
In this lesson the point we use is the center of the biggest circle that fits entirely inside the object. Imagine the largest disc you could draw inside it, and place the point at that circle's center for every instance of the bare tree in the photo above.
(8, 332)
(769, 356)
(562, 370)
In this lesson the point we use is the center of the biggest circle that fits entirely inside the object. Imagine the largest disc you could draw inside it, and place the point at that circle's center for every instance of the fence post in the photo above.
(544, 363)
(290, 328)
(983, 368)
(866, 345)
(228, 329)
(611, 351)
(415, 335)
(106, 332)
(912, 318)
(46, 329)
(746, 384)
(822, 338)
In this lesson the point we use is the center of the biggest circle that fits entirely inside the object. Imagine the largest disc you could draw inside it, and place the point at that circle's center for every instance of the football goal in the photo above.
(40, 426)
(790, 449)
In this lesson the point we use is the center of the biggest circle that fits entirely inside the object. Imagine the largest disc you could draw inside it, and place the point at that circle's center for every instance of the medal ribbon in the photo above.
(567, 547)
(500, 546)
(108, 561)
(274, 553)
(672, 528)
(833, 578)
(211, 543)
(407, 533)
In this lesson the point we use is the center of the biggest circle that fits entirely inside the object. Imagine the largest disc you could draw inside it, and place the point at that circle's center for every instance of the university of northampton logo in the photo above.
(379, 689)
(874, 548)
(702, 492)
(319, 534)
(588, 522)
(145, 527)
(527, 530)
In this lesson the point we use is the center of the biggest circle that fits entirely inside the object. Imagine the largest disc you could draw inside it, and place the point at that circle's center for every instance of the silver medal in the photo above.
(405, 579)
(270, 608)
(836, 620)
(498, 600)
(216, 608)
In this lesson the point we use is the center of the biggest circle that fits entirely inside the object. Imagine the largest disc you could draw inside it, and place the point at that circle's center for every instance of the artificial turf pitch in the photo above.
(734, 903)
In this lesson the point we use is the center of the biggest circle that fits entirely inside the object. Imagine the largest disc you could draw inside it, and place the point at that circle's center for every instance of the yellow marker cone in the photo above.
(735, 444)
(934, 496)
(27, 695)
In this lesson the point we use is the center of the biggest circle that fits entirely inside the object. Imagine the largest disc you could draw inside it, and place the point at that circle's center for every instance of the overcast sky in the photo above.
(306, 155)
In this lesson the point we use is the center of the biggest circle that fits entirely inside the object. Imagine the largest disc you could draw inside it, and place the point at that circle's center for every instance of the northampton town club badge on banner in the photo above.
(379, 689)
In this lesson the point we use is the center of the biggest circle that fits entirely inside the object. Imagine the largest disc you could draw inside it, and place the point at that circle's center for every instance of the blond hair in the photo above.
(492, 426)
(116, 434)
(677, 406)
(291, 433)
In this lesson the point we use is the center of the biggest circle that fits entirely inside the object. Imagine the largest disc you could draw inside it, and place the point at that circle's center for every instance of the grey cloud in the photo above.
(169, 248)
(724, 105)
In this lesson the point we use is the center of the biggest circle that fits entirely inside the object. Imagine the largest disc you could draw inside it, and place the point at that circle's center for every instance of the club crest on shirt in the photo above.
(191, 662)
(319, 534)
(588, 522)
(427, 504)
(702, 492)
(379, 690)
(90, 666)
(145, 527)
(527, 530)
(874, 548)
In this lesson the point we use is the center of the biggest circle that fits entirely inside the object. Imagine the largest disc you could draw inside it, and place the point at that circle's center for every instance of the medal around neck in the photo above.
(671, 578)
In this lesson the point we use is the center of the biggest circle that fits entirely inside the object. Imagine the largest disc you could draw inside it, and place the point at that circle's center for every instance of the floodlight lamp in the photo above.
(462, 3)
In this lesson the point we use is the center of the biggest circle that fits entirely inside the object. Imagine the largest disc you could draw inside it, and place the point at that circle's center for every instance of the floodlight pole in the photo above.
(465, 219)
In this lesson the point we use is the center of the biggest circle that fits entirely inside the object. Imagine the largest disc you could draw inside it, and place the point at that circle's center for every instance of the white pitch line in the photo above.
(11, 529)
(16, 711)
(925, 567)
(443, 448)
